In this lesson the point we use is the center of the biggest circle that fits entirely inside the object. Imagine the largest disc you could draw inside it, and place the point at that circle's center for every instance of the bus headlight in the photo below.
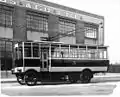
(12, 71)
(17, 70)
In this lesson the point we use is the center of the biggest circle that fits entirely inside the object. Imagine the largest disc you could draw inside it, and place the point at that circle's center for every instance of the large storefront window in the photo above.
(6, 14)
(37, 22)
(66, 26)
(91, 32)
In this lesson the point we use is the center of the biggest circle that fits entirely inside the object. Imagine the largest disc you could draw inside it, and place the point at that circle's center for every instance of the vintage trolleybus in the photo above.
(44, 60)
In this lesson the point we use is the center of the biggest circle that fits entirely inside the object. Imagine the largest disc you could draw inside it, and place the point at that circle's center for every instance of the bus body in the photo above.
(45, 60)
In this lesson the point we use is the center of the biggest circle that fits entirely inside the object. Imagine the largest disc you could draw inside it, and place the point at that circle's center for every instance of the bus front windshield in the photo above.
(18, 55)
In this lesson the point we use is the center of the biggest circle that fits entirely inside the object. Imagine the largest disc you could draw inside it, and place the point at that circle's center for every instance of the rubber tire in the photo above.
(85, 76)
(31, 76)
(20, 80)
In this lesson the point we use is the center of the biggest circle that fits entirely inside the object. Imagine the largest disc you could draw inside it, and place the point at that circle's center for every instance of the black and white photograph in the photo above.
(60, 48)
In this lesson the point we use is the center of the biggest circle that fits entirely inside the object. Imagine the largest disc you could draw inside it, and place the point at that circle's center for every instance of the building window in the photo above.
(90, 30)
(37, 22)
(90, 41)
(6, 54)
(67, 26)
(6, 16)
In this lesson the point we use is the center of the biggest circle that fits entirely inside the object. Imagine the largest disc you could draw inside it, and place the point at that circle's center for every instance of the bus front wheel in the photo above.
(20, 79)
(31, 78)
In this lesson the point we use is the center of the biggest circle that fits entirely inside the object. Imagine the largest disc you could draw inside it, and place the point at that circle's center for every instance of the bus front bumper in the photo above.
(17, 70)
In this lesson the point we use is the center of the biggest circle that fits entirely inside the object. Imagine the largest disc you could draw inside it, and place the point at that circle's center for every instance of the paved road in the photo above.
(98, 86)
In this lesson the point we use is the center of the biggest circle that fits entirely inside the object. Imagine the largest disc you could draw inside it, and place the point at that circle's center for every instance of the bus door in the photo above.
(45, 66)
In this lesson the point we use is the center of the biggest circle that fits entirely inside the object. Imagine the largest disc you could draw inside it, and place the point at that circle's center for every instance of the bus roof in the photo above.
(49, 42)
(54, 42)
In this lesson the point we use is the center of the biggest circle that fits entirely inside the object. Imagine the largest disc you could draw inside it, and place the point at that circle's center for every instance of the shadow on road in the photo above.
(94, 80)
(53, 83)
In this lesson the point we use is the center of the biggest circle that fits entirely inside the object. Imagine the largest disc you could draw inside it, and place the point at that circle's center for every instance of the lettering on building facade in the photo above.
(44, 8)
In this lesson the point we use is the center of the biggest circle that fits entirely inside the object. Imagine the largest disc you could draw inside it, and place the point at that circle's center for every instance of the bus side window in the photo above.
(27, 52)
(27, 49)
(36, 50)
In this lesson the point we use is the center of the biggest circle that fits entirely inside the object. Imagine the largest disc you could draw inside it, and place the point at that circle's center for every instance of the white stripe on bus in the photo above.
(64, 69)
(68, 69)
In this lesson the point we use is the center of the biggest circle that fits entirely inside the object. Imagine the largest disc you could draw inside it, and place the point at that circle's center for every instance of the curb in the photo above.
(8, 80)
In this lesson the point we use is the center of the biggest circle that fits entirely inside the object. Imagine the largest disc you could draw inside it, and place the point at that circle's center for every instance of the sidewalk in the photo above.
(14, 79)
(8, 80)
(108, 75)
(7, 77)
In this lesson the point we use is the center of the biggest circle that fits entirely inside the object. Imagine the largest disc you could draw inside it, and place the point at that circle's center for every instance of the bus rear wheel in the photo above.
(85, 76)
(31, 78)
(20, 79)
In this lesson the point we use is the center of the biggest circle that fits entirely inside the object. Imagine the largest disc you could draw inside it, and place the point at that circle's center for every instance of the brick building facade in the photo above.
(29, 20)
